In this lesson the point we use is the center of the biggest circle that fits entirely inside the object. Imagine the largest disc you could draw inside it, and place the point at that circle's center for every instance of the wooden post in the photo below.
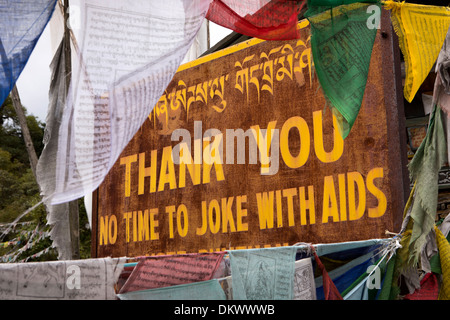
(208, 36)
(24, 127)
(74, 223)
(20, 115)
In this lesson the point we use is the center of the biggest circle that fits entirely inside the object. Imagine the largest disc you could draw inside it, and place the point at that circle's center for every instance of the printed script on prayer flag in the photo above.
(164, 271)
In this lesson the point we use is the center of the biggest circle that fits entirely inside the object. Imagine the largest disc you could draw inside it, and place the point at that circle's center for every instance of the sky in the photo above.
(34, 81)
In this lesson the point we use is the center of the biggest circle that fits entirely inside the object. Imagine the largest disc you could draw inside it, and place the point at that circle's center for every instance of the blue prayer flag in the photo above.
(21, 25)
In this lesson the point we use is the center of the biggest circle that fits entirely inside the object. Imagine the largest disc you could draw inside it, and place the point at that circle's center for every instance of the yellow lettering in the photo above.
(170, 210)
(108, 230)
(182, 227)
(127, 217)
(279, 209)
(154, 223)
(134, 226)
(112, 225)
(302, 157)
(147, 172)
(214, 223)
(264, 144)
(202, 230)
(289, 194)
(342, 197)
(241, 226)
(355, 213)
(330, 208)
(143, 225)
(227, 215)
(382, 202)
(338, 147)
(167, 174)
(127, 161)
(213, 152)
(104, 230)
(265, 209)
(307, 205)
(193, 168)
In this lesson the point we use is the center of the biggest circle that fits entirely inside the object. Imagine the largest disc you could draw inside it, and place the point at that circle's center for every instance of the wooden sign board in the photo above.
(311, 187)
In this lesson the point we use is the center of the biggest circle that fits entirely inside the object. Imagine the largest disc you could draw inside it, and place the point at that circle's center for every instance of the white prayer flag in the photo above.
(128, 52)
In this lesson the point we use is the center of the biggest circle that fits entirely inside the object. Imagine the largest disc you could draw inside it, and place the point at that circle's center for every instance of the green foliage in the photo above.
(19, 191)
(85, 232)
(11, 139)
(18, 187)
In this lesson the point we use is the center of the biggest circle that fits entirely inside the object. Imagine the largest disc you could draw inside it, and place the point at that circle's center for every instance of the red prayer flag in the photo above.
(264, 19)
(164, 271)
(330, 290)
(429, 289)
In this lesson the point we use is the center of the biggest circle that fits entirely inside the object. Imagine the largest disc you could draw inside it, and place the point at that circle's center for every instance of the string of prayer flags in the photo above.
(164, 271)
(85, 279)
(37, 254)
(203, 290)
(421, 30)
(30, 243)
(128, 54)
(9, 243)
(444, 254)
(266, 19)
(263, 274)
(424, 171)
(21, 25)
(341, 45)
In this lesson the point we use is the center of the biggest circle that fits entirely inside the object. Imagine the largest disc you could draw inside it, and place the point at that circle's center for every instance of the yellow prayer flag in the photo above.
(421, 30)
(444, 254)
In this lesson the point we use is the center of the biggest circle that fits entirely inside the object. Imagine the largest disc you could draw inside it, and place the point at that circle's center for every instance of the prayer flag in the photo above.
(424, 171)
(266, 19)
(444, 254)
(165, 271)
(421, 30)
(263, 274)
(127, 53)
(330, 290)
(341, 44)
(21, 25)
(204, 290)
(429, 289)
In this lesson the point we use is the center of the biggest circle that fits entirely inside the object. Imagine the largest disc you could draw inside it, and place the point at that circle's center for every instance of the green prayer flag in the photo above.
(424, 171)
(389, 290)
(341, 45)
